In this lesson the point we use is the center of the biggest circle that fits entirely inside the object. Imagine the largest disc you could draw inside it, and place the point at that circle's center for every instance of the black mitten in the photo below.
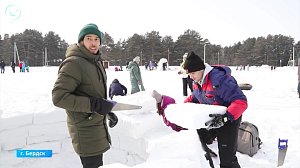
(217, 121)
(101, 106)
(112, 119)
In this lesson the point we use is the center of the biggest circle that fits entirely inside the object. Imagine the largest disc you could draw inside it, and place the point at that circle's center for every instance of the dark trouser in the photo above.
(227, 144)
(92, 161)
(187, 82)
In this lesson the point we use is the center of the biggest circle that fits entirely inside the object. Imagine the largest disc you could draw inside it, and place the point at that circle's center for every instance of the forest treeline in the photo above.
(274, 50)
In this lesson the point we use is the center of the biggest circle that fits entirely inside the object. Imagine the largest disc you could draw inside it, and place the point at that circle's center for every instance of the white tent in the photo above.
(160, 63)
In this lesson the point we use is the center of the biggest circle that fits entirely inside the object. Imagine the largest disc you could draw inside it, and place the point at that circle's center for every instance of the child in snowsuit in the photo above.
(116, 88)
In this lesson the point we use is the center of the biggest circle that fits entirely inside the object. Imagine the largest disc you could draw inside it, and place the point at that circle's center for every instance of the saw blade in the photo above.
(124, 106)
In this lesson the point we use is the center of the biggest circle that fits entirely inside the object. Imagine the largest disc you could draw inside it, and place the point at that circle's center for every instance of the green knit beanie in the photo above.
(89, 29)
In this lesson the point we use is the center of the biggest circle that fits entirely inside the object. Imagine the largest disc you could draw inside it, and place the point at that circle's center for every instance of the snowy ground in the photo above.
(30, 121)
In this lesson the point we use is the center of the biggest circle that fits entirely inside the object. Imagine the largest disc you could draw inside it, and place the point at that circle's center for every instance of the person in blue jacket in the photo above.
(214, 85)
(116, 88)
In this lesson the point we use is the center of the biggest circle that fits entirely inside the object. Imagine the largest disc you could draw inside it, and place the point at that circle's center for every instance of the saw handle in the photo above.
(282, 143)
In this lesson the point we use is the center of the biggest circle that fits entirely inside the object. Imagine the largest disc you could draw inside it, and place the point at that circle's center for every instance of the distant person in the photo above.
(2, 66)
(151, 65)
(164, 66)
(13, 66)
(299, 77)
(135, 76)
(27, 67)
(127, 63)
(299, 88)
(186, 80)
(117, 89)
(146, 65)
(20, 65)
(23, 66)
(81, 90)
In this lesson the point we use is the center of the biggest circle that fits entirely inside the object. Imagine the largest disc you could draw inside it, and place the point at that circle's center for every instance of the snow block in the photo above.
(18, 141)
(56, 147)
(8, 159)
(141, 98)
(15, 122)
(115, 155)
(137, 125)
(58, 115)
(47, 132)
(115, 165)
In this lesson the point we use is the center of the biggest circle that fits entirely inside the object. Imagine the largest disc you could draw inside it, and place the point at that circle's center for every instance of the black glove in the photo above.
(218, 121)
(113, 119)
(101, 106)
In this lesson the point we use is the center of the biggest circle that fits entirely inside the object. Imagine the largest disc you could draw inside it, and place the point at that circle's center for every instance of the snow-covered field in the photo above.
(141, 140)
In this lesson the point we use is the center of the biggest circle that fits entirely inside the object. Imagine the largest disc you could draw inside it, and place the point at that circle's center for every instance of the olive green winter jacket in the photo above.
(81, 75)
(135, 77)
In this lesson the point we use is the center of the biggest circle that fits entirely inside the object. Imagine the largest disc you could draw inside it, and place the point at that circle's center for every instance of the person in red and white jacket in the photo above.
(215, 85)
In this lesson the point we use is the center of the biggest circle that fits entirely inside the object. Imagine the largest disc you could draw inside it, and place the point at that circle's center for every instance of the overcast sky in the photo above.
(223, 22)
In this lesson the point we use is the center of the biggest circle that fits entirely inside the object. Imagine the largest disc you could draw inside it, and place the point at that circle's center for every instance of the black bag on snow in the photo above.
(248, 139)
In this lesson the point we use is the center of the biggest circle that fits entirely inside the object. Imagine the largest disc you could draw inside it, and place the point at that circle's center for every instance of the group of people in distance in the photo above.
(22, 65)
(81, 89)
(118, 89)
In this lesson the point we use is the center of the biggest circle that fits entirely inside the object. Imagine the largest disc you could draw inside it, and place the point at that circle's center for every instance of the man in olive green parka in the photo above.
(81, 89)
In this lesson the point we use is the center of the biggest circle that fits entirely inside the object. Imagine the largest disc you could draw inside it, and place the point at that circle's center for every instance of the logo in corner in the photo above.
(13, 12)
